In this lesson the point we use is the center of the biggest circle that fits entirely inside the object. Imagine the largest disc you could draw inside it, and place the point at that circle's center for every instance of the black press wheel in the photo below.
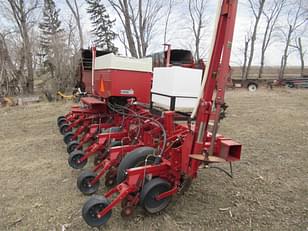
(134, 158)
(74, 159)
(64, 129)
(71, 146)
(61, 121)
(91, 209)
(68, 137)
(84, 185)
(60, 117)
(152, 189)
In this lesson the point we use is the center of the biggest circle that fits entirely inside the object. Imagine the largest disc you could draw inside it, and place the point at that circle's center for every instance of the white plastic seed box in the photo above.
(176, 81)
(116, 62)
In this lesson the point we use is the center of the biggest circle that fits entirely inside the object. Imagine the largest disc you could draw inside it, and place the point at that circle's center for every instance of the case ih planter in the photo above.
(123, 132)
(110, 85)
(91, 107)
(150, 132)
(164, 161)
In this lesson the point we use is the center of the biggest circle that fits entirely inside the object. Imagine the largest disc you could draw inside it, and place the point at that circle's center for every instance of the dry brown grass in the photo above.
(269, 191)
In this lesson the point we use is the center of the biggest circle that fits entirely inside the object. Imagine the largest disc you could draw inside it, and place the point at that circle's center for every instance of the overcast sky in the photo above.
(179, 35)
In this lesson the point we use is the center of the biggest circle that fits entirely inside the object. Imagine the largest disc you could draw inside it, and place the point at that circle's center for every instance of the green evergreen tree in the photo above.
(51, 38)
(50, 26)
(102, 26)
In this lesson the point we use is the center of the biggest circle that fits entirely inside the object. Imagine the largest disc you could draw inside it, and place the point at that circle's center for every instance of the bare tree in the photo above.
(22, 13)
(198, 20)
(271, 13)
(75, 11)
(138, 19)
(122, 9)
(73, 40)
(169, 11)
(122, 39)
(71, 29)
(301, 52)
(247, 41)
(306, 6)
(296, 17)
(8, 73)
(68, 57)
(256, 7)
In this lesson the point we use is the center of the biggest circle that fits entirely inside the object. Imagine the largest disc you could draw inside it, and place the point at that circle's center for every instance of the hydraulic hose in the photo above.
(143, 117)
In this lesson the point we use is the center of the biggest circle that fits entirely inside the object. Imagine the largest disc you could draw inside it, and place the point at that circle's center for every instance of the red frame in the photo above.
(123, 83)
(177, 160)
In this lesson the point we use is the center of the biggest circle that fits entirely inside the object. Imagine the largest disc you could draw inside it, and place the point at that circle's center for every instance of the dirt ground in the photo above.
(268, 192)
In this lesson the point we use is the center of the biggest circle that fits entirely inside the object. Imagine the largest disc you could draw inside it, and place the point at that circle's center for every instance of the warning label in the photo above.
(127, 92)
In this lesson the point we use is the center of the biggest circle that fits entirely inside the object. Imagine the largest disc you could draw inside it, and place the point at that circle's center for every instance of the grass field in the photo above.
(268, 192)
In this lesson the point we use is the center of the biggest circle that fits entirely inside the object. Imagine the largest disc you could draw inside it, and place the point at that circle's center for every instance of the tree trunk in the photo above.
(29, 63)
(245, 59)
(76, 15)
(128, 30)
(8, 72)
(138, 22)
(196, 13)
(197, 49)
(301, 53)
(271, 20)
(167, 21)
(134, 24)
(21, 16)
(261, 66)
(263, 50)
(284, 59)
(141, 30)
(254, 37)
(80, 35)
